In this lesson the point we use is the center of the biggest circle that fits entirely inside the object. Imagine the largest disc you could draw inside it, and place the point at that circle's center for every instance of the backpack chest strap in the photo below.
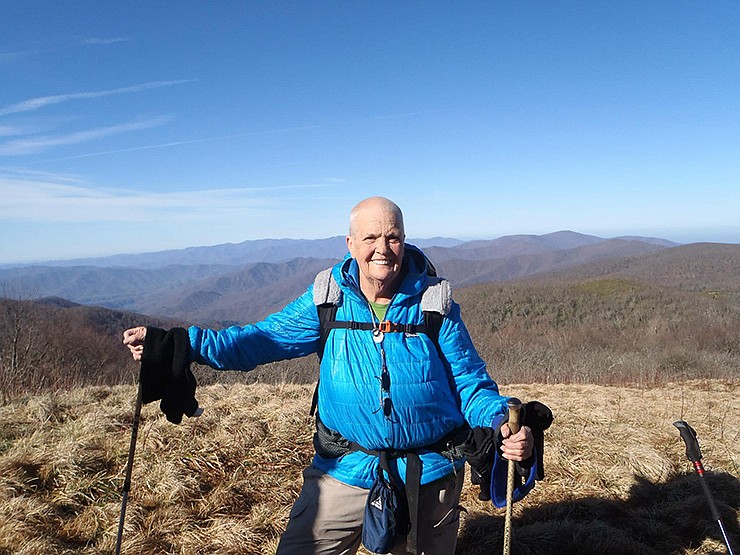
(384, 326)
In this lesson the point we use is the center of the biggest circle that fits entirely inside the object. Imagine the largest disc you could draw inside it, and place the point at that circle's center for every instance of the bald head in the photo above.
(376, 242)
(375, 205)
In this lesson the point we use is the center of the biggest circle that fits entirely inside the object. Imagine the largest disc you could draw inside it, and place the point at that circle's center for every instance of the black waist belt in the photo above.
(330, 444)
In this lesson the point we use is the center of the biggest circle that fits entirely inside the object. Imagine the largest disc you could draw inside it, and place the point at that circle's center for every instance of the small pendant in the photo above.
(378, 336)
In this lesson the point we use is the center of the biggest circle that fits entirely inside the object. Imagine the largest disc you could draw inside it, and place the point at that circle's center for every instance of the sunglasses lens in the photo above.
(387, 407)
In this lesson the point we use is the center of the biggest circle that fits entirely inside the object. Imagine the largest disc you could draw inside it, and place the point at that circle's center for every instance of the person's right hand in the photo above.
(518, 446)
(134, 339)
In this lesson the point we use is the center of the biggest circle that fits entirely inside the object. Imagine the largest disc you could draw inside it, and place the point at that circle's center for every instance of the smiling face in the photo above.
(376, 242)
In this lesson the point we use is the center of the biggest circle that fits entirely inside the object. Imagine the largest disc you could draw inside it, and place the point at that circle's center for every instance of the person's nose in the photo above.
(382, 245)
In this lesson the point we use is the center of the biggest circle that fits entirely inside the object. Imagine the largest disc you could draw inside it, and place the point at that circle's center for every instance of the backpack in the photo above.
(436, 302)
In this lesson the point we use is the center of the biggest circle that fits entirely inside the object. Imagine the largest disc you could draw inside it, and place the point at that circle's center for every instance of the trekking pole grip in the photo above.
(515, 406)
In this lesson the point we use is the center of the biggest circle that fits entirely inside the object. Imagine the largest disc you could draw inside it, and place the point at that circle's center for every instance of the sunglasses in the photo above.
(386, 403)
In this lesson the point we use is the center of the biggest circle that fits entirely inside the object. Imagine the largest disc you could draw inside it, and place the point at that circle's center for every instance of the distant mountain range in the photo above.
(232, 254)
(240, 283)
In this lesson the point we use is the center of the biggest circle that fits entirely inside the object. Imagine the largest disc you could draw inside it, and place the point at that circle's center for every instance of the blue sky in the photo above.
(140, 126)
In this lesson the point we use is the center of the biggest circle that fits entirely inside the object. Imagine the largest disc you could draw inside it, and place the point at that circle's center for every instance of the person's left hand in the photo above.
(517, 447)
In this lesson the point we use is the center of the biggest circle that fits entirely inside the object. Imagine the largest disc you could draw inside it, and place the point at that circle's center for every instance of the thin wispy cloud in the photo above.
(182, 143)
(12, 130)
(18, 55)
(104, 41)
(137, 148)
(38, 199)
(404, 115)
(25, 174)
(43, 101)
(33, 145)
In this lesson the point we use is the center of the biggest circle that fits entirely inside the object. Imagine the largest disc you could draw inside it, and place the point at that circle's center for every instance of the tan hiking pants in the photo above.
(326, 519)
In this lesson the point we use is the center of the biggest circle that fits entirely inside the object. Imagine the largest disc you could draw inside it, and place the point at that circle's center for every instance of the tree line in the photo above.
(602, 331)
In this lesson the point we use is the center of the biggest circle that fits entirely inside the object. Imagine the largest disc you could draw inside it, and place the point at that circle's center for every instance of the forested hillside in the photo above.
(53, 344)
(665, 316)
(607, 331)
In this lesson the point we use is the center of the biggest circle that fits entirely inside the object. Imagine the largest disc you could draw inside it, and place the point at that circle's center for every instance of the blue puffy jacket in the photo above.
(430, 396)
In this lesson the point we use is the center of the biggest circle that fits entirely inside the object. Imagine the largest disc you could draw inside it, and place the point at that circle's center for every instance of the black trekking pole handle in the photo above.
(693, 453)
(129, 467)
(688, 434)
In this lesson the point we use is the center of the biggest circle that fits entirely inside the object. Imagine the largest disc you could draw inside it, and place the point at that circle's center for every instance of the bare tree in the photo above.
(22, 347)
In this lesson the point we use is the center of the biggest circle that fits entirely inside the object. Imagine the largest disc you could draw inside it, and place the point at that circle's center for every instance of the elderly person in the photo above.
(387, 390)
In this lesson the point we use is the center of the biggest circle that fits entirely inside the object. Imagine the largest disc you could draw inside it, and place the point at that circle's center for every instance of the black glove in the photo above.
(165, 373)
(480, 450)
(538, 418)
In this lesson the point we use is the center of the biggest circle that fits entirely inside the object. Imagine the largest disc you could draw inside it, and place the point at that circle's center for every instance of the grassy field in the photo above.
(618, 349)
(617, 478)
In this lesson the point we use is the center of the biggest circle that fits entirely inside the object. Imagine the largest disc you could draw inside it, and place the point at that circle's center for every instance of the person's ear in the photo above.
(350, 245)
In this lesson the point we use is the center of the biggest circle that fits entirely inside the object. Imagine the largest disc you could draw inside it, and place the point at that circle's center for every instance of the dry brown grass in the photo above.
(617, 477)
(618, 480)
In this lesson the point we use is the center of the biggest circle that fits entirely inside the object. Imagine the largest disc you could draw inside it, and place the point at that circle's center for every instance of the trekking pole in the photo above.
(129, 466)
(693, 453)
(514, 405)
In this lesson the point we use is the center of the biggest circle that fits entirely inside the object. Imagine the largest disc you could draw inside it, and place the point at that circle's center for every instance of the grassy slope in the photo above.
(617, 477)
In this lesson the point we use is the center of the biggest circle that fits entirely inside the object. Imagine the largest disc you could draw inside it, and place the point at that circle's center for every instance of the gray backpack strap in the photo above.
(437, 297)
(326, 297)
(326, 289)
(436, 303)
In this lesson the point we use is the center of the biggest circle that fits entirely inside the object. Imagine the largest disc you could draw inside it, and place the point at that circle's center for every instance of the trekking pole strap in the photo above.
(413, 482)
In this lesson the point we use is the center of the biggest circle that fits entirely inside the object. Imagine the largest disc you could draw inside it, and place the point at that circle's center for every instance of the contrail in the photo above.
(180, 143)
(38, 144)
(42, 101)
(104, 41)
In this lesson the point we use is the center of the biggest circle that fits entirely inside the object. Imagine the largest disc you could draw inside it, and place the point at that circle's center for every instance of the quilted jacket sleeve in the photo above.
(480, 401)
(293, 332)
